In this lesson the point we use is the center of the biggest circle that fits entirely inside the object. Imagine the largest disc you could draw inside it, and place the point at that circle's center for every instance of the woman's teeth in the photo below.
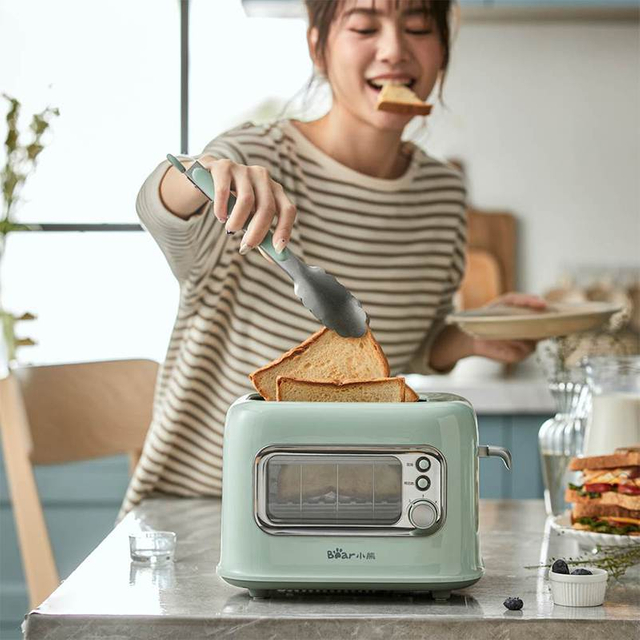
(378, 84)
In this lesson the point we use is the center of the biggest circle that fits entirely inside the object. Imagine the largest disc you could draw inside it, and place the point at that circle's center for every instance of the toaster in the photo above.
(352, 496)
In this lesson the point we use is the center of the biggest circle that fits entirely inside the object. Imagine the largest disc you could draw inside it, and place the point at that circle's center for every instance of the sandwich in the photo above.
(607, 499)
(397, 98)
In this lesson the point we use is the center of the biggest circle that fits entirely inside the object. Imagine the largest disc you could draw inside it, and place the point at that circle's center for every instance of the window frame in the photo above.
(184, 143)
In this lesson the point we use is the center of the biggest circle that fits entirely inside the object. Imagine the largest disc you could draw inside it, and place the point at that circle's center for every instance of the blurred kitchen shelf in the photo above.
(559, 11)
(489, 10)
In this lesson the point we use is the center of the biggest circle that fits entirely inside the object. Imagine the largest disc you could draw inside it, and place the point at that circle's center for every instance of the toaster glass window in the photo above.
(334, 489)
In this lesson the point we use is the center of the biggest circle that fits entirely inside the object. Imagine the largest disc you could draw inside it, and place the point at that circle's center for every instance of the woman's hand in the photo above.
(256, 193)
(509, 351)
(514, 299)
(505, 351)
(452, 344)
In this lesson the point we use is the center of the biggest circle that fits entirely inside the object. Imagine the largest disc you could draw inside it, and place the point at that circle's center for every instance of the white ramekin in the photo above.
(579, 591)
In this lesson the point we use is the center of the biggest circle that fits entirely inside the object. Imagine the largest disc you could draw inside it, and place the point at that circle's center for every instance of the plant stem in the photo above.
(613, 559)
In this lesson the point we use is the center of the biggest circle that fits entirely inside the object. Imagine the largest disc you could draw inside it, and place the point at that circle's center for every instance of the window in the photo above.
(259, 63)
(113, 70)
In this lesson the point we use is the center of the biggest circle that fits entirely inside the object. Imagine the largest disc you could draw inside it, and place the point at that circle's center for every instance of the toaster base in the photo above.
(268, 589)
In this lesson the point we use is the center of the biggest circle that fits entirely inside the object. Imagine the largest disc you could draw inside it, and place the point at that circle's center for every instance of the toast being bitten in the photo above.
(380, 390)
(397, 98)
(325, 356)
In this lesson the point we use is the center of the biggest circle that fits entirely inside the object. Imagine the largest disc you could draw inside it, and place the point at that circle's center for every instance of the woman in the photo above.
(343, 192)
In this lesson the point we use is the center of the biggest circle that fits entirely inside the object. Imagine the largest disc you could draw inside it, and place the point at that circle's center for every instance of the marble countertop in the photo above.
(110, 597)
(490, 388)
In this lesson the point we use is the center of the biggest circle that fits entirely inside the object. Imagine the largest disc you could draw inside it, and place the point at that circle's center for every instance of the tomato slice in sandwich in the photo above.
(629, 489)
(598, 487)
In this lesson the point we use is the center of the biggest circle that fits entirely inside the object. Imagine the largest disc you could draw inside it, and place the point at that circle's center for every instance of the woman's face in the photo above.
(370, 43)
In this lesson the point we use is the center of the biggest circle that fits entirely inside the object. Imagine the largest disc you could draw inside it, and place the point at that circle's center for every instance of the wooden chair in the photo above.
(63, 413)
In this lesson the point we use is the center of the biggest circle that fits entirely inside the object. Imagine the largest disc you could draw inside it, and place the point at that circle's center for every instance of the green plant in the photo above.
(20, 163)
(21, 159)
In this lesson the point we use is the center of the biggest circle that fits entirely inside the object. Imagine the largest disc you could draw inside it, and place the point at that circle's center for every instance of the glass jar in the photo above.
(561, 438)
(614, 417)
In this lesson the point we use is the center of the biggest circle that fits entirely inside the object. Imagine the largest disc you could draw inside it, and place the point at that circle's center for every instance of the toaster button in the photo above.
(423, 464)
(423, 514)
(423, 483)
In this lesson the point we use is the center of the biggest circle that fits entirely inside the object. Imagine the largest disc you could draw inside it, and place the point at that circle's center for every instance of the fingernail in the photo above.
(280, 245)
(245, 248)
(230, 233)
(222, 221)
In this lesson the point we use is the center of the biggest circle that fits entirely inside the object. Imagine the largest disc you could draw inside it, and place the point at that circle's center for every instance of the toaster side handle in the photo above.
(488, 451)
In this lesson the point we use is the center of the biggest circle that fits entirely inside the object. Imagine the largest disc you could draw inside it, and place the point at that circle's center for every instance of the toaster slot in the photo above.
(317, 489)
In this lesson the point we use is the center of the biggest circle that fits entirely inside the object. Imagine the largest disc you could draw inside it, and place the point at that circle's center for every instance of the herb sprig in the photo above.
(615, 560)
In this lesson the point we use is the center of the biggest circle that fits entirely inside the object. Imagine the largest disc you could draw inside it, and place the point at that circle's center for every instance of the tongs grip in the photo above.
(201, 178)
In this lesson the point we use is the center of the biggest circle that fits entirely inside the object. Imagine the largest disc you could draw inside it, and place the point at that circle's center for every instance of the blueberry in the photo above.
(513, 604)
(581, 572)
(560, 566)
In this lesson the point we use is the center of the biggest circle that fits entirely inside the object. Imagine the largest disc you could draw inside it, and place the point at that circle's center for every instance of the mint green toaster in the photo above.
(374, 496)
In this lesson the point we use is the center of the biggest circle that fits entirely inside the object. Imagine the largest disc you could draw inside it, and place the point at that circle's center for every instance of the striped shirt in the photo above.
(397, 245)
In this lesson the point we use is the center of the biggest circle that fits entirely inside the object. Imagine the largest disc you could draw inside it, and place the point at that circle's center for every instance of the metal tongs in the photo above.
(329, 301)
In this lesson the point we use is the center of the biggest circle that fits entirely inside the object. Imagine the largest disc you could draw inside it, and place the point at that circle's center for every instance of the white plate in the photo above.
(562, 524)
(519, 323)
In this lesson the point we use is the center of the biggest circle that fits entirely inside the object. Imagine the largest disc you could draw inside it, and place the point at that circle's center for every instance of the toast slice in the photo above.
(629, 449)
(581, 510)
(325, 356)
(603, 518)
(380, 390)
(628, 457)
(409, 394)
(609, 498)
(397, 98)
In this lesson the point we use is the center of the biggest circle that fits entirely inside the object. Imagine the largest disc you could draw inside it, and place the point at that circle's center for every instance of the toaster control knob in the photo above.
(423, 463)
(423, 514)
(423, 483)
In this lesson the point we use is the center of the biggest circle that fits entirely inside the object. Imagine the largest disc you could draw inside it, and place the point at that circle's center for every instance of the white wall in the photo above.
(547, 118)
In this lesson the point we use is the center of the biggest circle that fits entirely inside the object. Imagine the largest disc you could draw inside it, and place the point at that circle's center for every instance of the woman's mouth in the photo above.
(377, 83)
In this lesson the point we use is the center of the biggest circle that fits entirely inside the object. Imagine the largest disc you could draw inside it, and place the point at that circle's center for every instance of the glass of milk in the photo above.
(614, 418)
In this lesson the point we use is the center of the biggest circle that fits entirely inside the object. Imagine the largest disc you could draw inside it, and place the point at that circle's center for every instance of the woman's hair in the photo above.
(322, 13)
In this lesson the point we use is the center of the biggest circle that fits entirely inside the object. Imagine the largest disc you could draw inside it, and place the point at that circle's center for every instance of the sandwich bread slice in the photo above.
(397, 98)
(607, 499)
(380, 390)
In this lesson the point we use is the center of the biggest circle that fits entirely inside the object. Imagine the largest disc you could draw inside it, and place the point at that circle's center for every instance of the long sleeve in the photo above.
(191, 246)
